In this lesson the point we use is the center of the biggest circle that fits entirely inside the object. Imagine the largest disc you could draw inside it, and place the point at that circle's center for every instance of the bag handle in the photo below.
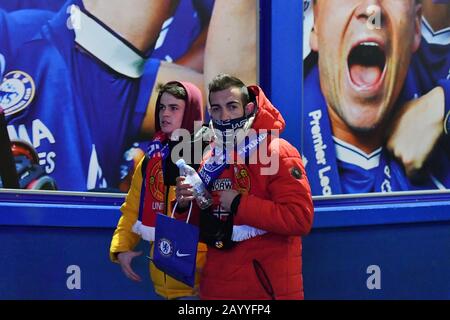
(189, 215)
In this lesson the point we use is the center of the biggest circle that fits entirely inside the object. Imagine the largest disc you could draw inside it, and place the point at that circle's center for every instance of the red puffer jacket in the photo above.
(279, 204)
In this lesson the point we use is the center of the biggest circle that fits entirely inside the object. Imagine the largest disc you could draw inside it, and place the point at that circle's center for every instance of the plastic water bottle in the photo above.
(202, 196)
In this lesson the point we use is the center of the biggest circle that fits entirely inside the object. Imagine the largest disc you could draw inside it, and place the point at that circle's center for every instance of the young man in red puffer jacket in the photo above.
(261, 208)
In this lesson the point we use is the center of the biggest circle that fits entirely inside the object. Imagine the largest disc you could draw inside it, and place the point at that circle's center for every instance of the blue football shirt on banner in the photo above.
(434, 52)
(12, 5)
(16, 28)
(71, 107)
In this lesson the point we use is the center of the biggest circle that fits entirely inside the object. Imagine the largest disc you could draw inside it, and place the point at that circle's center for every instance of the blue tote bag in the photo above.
(176, 244)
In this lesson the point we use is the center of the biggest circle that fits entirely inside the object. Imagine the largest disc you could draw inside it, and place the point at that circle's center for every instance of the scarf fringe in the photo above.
(242, 233)
(147, 233)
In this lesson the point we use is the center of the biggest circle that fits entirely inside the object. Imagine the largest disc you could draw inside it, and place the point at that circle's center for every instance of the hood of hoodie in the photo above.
(267, 116)
(194, 107)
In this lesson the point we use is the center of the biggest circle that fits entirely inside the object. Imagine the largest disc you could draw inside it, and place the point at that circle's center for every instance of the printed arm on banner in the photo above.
(445, 85)
(124, 239)
(231, 44)
(140, 24)
(290, 209)
(138, 21)
(121, 34)
(416, 129)
(195, 57)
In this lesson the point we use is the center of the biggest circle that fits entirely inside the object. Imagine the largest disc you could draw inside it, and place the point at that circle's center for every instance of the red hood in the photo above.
(267, 116)
(194, 107)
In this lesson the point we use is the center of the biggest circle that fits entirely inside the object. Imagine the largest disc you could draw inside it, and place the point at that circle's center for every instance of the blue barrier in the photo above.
(407, 236)
(43, 235)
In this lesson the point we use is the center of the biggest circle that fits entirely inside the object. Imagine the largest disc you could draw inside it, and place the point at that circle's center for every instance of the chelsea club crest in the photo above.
(165, 247)
(17, 91)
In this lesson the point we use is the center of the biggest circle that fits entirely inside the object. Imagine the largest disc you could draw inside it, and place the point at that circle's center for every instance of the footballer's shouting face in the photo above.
(365, 47)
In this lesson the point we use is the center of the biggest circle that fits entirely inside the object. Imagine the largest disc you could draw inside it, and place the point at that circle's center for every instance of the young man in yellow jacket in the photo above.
(152, 189)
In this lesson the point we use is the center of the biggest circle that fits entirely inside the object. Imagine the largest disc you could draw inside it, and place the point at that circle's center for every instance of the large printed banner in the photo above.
(376, 88)
(79, 91)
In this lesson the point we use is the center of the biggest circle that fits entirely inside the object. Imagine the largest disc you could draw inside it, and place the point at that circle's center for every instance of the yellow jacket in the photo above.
(125, 240)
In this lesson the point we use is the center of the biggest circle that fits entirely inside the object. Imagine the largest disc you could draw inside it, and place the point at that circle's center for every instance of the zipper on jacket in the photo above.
(264, 279)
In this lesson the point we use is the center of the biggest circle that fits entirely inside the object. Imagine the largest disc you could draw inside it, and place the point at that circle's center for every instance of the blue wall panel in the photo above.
(407, 236)
(34, 262)
(414, 260)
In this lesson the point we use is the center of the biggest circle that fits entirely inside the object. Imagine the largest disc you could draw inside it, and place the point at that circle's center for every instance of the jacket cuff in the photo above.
(113, 256)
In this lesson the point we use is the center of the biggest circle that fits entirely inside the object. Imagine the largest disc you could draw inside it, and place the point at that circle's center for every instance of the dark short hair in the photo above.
(225, 81)
(173, 88)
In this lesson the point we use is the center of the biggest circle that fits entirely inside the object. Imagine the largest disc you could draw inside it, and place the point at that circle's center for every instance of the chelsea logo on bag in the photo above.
(165, 247)
(17, 91)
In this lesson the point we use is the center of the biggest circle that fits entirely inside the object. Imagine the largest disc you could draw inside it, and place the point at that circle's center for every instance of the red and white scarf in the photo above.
(152, 199)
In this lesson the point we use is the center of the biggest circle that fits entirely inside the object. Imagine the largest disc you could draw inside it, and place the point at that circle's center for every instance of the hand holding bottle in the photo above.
(200, 193)
(184, 193)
